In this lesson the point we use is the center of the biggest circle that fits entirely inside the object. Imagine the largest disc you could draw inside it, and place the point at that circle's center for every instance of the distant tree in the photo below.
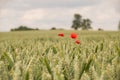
(86, 24)
(119, 26)
(12, 30)
(53, 28)
(77, 21)
(100, 29)
(36, 29)
(23, 28)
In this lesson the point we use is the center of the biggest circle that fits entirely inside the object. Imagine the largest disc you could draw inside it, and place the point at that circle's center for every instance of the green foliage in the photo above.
(100, 29)
(27, 76)
(86, 24)
(53, 28)
(9, 60)
(78, 22)
(47, 64)
(23, 28)
(42, 55)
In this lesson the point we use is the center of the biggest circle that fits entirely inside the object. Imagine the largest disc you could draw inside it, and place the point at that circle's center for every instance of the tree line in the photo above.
(78, 22)
(23, 28)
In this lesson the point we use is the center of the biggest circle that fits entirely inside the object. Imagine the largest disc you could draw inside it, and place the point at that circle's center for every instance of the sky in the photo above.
(45, 14)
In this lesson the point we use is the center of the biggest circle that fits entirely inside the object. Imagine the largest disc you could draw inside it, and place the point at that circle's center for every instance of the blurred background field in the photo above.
(54, 33)
(43, 55)
(36, 41)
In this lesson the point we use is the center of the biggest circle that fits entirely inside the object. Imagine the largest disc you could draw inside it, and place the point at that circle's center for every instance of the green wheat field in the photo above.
(43, 55)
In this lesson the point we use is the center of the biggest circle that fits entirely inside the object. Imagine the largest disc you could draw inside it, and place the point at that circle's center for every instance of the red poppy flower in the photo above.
(77, 41)
(61, 34)
(73, 35)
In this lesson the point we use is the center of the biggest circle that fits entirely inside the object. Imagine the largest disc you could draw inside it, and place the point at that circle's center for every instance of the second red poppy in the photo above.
(77, 41)
(61, 34)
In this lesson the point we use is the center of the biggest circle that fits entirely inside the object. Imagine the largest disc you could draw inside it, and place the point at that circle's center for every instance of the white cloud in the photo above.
(103, 15)
(34, 14)
(7, 13)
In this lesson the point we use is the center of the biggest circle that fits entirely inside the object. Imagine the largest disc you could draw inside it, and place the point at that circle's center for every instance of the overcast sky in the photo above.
(44, 14)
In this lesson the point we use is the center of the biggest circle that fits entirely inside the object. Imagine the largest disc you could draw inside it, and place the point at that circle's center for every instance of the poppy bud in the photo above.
(61, 34)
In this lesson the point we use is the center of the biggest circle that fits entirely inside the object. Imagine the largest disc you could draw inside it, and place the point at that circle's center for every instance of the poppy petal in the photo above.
(73, 35)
